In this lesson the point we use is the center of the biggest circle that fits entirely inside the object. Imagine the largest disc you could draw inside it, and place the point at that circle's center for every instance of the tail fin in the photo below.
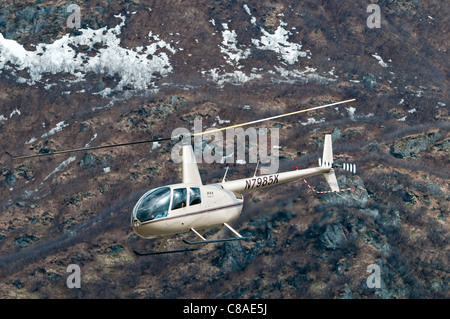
(327, 161)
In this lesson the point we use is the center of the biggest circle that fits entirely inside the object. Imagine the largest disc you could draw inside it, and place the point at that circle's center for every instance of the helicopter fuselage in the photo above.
(182, 207)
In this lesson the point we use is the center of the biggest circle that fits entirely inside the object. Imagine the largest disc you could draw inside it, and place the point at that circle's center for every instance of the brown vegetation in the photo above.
(306, 245)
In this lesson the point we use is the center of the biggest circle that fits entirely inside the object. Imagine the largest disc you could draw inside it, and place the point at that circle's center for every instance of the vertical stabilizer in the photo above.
(327, 161)
(327, 156)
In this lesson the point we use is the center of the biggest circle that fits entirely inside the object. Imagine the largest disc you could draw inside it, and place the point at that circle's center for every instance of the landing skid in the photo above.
(163, 252)
(214, 241)
(159, 251)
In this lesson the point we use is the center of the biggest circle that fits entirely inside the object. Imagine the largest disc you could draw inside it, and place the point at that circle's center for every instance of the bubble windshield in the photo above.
(153, 205)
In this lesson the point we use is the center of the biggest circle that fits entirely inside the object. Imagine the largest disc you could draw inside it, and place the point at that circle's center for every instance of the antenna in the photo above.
(254, 175)
(223, 180)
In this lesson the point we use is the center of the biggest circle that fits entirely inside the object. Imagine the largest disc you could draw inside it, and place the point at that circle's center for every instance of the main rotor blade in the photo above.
(169, 138)
(273, 117)
(90, 148)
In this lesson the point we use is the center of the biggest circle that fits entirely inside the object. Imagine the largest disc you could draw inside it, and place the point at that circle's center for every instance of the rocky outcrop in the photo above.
(334, 236)
(233, 257)
(31, 20)
(25, 240)
(413, 146)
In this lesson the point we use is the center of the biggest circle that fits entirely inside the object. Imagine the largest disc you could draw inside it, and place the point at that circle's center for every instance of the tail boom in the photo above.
(326, 168)
(247, 184)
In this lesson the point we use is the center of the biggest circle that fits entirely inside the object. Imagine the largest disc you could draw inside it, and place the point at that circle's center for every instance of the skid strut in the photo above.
(204, 241)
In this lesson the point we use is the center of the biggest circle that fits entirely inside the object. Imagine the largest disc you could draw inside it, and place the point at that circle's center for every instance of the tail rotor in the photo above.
(346, 166)
(327, 161)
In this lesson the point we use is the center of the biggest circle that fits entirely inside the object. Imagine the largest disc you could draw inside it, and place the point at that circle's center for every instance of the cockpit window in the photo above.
(154, 205)
(194, 196)
(179, 198)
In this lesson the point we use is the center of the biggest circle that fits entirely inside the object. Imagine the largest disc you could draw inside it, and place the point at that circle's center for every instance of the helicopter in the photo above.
(192, 207)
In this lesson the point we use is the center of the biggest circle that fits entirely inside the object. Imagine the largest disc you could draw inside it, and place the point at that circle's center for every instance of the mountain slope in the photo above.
(140, 69)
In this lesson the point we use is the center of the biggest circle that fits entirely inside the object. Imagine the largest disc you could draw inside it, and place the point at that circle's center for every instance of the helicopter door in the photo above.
(195, 197)
(179, 198)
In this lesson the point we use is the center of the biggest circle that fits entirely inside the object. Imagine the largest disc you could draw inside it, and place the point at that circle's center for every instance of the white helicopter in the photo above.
(193, 207)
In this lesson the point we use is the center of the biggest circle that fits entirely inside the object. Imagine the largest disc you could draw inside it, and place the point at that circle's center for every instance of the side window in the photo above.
(194, 196)
(179, 198)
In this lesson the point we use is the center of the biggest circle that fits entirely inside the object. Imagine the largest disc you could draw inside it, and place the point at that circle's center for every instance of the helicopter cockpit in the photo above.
(157, 202)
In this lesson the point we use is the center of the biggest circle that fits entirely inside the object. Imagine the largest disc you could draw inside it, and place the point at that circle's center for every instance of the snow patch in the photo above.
(93, 138)
(278, 42)
(135, 67)
(309, 74)
(236, 54)
(312, 121)
(16, 111)
(351, 112)
(234, 78)
(247, 9)
(56, 129)
(380, 60)
(229, 47)
(222, 121)
(60, 167)
(155, 145)
(32, 140)
(252, 18)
